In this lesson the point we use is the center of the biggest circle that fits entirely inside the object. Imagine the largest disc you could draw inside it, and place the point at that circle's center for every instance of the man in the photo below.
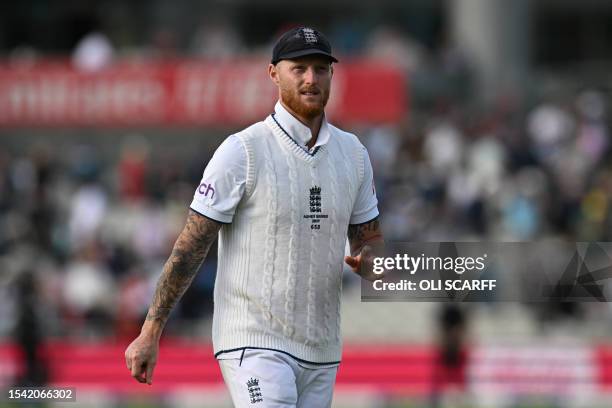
(281, 195)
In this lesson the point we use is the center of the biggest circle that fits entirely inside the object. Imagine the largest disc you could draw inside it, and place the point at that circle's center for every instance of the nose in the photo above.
(310, 76)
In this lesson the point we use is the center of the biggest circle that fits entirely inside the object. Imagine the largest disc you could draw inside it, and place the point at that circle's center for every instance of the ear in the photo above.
(273, 73)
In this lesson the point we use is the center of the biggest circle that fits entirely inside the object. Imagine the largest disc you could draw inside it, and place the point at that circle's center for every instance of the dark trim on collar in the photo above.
(280, 351)
(292, 139)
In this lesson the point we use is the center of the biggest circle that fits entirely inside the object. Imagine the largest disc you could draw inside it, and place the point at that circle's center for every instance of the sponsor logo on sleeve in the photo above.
(206, 189)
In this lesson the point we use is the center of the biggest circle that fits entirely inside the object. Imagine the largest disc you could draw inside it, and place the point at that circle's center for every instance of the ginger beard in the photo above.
(294, 99)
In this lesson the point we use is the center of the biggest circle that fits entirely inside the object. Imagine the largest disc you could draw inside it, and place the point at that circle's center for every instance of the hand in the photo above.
(141, 357)
(363, 264)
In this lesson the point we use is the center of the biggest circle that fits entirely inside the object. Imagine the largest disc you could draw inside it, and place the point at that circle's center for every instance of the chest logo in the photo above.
(315, 215)
(315, 199)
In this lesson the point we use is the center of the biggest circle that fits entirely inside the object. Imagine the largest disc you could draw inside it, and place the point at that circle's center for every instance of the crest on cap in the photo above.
(300, 42)
(310, 36)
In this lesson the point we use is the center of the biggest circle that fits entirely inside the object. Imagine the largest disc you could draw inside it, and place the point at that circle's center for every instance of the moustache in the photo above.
(313, 90)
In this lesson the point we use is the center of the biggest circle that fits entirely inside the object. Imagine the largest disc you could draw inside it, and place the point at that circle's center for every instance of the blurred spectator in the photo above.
(451, 355)
(88, 209)
(592, 132)
(132, 168)
(382, 144)
(29, 335)
(93, 52)
(388, 44)
(443, 147)
(549, 126)
(89, 290)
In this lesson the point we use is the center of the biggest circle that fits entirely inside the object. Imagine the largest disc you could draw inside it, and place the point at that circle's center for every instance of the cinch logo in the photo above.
(205, 189)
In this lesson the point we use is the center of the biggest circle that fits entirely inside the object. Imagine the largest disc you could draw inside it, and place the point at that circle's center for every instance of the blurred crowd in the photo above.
(94, 38)
(95, 226)
(95, 231)
(500, 174)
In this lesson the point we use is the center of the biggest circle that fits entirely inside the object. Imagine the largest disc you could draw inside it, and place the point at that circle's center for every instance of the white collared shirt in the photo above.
(299, 131)
(224, 180)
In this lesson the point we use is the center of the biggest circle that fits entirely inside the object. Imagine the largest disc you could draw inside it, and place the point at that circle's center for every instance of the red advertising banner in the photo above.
(184, 93)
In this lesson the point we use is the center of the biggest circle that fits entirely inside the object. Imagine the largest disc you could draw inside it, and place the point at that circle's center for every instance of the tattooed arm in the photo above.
(365, 241)
(361, 234)
(179, 270)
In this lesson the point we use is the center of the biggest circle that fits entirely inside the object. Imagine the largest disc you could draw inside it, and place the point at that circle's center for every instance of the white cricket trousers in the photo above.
(271, 379)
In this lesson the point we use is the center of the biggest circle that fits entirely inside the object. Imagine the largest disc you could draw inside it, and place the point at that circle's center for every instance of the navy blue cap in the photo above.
(300, 42)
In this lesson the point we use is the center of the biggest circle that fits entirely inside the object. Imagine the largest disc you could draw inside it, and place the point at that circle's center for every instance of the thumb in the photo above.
(351, 261)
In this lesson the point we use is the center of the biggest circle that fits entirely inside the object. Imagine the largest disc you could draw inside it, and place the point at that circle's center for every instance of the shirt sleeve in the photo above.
(366, 205)
(223, 182)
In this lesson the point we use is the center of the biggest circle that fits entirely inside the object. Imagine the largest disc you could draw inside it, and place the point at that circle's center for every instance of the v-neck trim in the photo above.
(298, 130)
(291, 143)
(292, 139)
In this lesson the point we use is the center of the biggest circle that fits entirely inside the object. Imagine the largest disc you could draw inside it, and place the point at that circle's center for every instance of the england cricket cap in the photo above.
(300, 42)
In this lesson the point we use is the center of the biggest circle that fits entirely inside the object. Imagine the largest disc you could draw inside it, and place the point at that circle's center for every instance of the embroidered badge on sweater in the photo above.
(315, 215)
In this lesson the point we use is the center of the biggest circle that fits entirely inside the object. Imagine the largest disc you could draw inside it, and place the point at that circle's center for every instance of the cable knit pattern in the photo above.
(332, 267)
(278, 280)
(270, 250)
(352, 192)
(294, 242)
(311, 308)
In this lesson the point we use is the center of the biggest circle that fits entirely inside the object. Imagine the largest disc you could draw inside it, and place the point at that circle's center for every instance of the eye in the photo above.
(299, 68)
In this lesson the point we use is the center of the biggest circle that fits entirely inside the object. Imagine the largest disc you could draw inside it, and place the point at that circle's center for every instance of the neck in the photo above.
(314, 124)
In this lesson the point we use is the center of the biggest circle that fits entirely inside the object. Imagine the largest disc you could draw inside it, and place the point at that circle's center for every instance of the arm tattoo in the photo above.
(181, 267)
(361, 234)
(358, 232)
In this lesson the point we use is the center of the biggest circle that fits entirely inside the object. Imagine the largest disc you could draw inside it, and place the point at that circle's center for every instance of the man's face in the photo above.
(303, 84)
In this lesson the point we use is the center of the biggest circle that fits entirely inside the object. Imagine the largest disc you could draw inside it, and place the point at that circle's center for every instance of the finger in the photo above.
(142, 375)
(149, 373)
(137, 370)
(128, 361)
(351, 261)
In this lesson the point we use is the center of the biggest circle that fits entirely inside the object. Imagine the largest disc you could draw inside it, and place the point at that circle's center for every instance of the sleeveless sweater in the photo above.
(279, 272)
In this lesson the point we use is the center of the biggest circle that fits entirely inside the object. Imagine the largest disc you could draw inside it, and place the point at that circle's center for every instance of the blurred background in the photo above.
(485, 120)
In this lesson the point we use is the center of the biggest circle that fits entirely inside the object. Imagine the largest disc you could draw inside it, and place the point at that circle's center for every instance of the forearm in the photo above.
(176, 277)
(364, 234)
(188, 253)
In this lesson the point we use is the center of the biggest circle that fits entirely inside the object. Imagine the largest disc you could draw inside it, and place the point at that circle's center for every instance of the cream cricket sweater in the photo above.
(279, 274)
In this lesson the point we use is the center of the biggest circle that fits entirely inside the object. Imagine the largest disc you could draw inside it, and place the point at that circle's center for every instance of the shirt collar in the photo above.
(298, 131)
